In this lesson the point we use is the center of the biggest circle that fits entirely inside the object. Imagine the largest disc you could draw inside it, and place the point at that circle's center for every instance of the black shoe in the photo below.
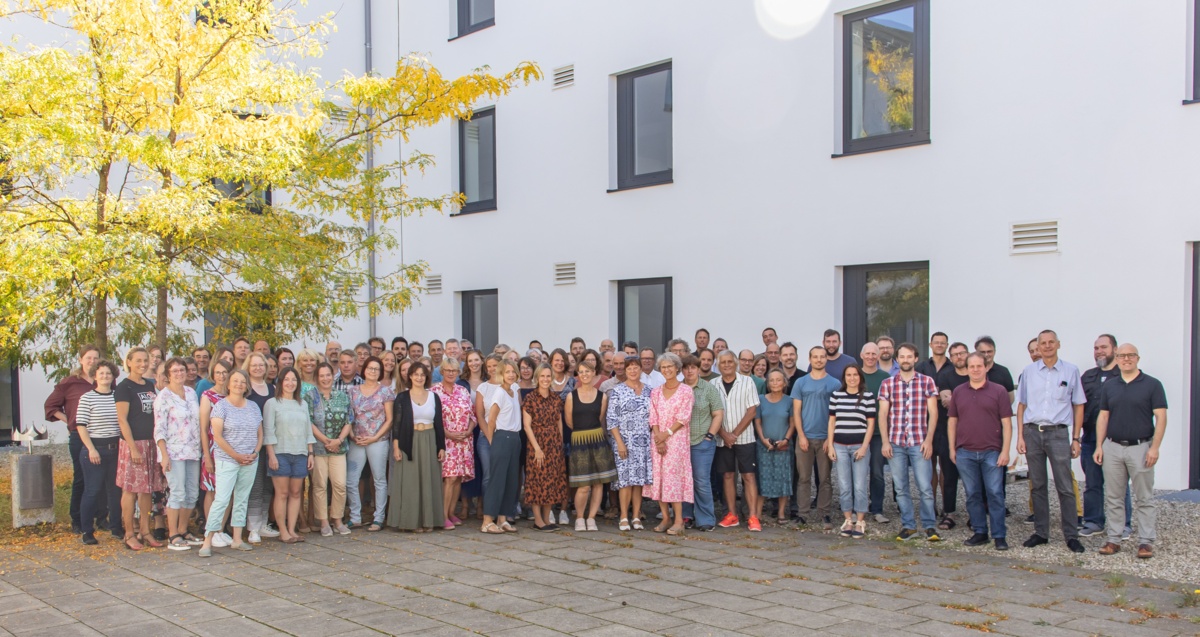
(1007, 512)
(1034, 540)
(101, 525)
(90, 539)
(689, 523)
(75, 529)
(976, 540)
(1075, 545)
(118, 534)
(160, 535)
(1001, 544)
(827, 520)
(932, 535)
(705, 528)
(906, 534)
(799, 519)
(1031, 519)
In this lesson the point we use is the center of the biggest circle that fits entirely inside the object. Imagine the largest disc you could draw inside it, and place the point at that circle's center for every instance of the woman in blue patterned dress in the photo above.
(773, 424)
(628, 422)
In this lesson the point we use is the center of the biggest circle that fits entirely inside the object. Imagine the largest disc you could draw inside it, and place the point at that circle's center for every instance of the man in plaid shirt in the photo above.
(908, 418)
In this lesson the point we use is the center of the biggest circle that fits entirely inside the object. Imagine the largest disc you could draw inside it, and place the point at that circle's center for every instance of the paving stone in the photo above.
(642, 619)
(654, 602)
(800, 617)
(581, 603)
(239, 626)
(34, 621)
(192, 612)
(314, 624)
(115, 617)
(153, 628)
(397, 622)
(711, 616)
(803, 601)
(562, 619)
(343, 605)
(82, 601)
(1097, 626)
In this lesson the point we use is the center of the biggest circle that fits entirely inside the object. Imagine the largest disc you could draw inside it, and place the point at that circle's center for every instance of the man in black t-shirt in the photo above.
(948, 378)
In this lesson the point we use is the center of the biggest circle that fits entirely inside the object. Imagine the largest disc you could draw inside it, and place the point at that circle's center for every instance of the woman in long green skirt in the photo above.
(418, 448)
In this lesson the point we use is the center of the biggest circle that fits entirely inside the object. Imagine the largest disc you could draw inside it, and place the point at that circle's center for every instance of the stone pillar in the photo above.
(32, 487)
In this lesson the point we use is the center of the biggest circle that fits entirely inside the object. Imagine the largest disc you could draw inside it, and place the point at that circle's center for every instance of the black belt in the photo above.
(1131, 443)
(1044, 427)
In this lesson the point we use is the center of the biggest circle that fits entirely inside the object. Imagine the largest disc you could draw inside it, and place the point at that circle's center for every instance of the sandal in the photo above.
(781, 521)
(947, 523)
(489, 529)
(675, 530)
(661, 528)
(192, 540)
(637, 524)
(178, 543)
(150, 541)
(624, 525)
(508, 528)
(374, 527)
(136, 546)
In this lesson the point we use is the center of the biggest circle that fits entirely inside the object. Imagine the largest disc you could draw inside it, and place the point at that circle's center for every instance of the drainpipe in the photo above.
(370, 69)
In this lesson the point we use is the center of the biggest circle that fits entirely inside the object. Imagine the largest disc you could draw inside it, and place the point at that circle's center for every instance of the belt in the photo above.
(423, 426)
(1130, 443)
(1044, 427)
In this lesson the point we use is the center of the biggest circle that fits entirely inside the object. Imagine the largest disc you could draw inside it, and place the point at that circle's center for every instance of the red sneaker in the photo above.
(754, 524)
(730, 520)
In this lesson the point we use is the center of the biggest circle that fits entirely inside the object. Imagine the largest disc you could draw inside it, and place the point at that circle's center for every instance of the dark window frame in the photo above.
(1195, 99)
(919, 134)
(668, 312)
(242, 324)
(464, 20)
(483, 205)
(16, 405)
(626, 179)
(854, 306)
(252, 203)
(468, 313)
(1194, 458)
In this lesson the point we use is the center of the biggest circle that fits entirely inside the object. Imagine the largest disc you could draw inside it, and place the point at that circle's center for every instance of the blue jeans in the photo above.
(702, 458)
(982, 479)
(357, 459)
(184, 482)
(100, 485)
(1093, 490)
(877, 479)
(903, 458)
(853, 478)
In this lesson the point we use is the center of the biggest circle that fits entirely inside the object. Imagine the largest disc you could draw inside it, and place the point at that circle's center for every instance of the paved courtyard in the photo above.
(779, 582)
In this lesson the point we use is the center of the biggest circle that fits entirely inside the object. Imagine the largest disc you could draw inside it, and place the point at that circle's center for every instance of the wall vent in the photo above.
(564, 273)
(1034, 237)
(564, 76)
(433, 284)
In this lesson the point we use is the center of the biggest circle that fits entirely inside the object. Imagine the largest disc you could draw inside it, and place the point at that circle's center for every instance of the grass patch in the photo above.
(1188, 598)
(1112, 580)
(983, 626)
(1034, 569)
(967, 607)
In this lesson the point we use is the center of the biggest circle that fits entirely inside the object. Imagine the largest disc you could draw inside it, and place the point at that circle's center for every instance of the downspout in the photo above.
(370, 69)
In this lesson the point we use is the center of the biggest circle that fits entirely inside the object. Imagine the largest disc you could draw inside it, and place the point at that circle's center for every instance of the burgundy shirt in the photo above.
(979, 412)
(65, 398)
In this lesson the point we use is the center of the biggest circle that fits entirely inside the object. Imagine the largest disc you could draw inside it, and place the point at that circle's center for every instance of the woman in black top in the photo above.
(852, 412)
(591, 464)
(138, 473)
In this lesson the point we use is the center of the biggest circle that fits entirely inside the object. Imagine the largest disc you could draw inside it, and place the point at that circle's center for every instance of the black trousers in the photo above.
(100, 490)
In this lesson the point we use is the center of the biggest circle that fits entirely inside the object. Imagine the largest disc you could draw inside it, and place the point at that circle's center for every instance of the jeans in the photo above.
(903, 458)
(99, 480)
(234, 482)
(853, 477)
(262, 492)
(983, 481)
(184, 482)
(1093, 491)
(74, 445)
(357, 459)
(941, 451)
(703, 511)
(1051, 445)
(877, 480)
(500, 496)
(1122, 465)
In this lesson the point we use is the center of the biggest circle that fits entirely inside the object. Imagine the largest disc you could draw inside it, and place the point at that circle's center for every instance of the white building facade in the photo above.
(892, 167)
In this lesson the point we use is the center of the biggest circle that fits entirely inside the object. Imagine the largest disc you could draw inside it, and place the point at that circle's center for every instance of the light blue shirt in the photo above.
(1050, 393)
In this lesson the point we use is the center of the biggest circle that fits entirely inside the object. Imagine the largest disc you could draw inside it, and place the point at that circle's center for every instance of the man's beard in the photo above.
(832, 352)
(906, 367)
(1102, 361)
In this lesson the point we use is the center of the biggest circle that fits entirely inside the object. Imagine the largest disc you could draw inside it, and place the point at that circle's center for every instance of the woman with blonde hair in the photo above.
(219, 372)
(138, 473)
(502, 431)
(263, 492)
(306, 364)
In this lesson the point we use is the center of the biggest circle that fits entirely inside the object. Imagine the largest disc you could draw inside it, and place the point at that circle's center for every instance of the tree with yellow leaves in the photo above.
(133, 164)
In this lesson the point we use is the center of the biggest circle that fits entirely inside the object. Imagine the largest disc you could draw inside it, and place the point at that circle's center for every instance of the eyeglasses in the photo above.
(746, 360)
(1127, 356)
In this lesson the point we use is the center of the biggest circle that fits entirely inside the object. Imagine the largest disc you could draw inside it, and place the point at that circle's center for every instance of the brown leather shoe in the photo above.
(1145, 551)
(1109, 548)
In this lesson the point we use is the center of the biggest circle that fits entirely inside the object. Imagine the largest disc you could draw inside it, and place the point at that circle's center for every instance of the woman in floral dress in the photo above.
(545, 467)
(628, 423)
(671, 413)
(458, 419)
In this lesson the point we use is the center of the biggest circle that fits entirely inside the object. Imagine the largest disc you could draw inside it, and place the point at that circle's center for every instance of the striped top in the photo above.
(98, 412)
(850, 416)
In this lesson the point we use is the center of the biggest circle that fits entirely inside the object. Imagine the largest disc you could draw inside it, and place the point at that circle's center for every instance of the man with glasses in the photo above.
(1106, 369)
(376, 345)
(649, 374)
(937, 359)
(887, 353)
(996, 372)
(1131, 424)
(950, 377)
(772, 354)
(1049, 422)
(746, 368)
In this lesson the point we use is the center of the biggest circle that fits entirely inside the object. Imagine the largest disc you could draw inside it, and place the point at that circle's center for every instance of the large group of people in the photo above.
(226, 440)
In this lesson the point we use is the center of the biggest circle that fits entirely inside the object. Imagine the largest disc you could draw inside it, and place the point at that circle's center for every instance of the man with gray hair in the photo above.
(618, 365)
(607, 345)
(736, 452)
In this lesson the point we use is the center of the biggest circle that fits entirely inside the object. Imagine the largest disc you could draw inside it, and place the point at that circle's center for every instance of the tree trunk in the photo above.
(101, 307)
(160, 321)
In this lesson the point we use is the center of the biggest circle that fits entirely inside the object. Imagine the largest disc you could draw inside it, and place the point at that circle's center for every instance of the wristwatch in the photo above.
(709, 437)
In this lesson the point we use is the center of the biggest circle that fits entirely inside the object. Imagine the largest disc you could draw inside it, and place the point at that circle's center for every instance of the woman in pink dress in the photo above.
(670, 419)
(458, 418)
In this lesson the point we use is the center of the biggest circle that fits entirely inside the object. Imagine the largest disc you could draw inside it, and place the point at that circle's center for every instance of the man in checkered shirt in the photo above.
(908, 418)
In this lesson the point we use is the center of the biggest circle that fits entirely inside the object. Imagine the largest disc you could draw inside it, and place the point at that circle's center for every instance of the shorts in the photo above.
(738, 459)
(291, 465)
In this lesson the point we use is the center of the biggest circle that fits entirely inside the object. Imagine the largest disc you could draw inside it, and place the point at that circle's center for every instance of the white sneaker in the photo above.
(342, 529)
(268, 531)
(564, 519)
(580, 525)
(253, 538)
(221, 540)
(591, 525)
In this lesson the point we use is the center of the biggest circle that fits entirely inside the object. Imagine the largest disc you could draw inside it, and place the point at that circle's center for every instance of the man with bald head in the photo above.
(332, 349)
(773, 353)
(618, 370)
(746, 367)
(873, 377)
(1132, 420)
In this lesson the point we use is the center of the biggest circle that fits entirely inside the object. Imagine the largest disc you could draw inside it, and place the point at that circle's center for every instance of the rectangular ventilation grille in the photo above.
(1034, 237)
(564, 76)
(564, 273)
(433, 284)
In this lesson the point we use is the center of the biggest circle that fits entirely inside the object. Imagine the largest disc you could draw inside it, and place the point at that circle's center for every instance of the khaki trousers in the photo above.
(327, 471)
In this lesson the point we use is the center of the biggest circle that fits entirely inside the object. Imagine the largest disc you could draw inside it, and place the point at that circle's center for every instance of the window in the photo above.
(477, 161)
(1194, 463)
(481, 318)
(885, 70)
(475, 15)
(1195, 54)
(644, 106)
(10, 402)
(644, 312)
(256, 198)
(228, 315)
(891, 299)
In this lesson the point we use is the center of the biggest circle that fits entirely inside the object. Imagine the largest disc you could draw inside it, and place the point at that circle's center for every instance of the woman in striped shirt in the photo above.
(100, 433)
(852, 412)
